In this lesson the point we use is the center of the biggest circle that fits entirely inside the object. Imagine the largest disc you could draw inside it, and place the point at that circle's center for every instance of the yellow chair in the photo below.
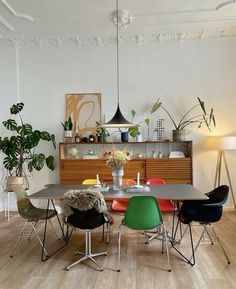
(91, 182)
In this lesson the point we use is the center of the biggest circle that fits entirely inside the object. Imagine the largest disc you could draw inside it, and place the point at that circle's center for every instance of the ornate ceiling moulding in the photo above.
(139, 38)
(14, 12)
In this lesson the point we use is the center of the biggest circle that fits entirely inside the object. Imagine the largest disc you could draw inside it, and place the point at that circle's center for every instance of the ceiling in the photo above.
(91, 21)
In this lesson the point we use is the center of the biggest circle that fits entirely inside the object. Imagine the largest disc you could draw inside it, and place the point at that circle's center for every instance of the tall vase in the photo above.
(117, 175)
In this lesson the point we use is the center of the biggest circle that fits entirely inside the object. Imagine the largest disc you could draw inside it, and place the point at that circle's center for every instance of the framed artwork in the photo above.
(85, 110)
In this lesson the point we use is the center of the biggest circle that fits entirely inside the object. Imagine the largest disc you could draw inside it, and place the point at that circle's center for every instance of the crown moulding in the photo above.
(57, 42)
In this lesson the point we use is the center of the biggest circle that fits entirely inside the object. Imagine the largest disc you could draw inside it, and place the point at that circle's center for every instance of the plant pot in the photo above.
(101, 139)
(67, 135)
(124, 136)
(178, 134)
(16, 182)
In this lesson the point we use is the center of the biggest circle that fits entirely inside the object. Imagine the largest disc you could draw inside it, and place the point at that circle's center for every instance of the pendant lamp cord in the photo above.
(117, 54)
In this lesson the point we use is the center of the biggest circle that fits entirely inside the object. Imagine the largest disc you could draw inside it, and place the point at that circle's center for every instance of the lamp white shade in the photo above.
(221, 143)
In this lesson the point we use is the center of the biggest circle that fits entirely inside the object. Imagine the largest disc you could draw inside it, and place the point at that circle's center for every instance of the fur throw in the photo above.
(84, 200)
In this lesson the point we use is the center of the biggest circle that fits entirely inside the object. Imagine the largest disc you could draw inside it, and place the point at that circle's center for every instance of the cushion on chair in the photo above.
(85, 203)
(90, 219)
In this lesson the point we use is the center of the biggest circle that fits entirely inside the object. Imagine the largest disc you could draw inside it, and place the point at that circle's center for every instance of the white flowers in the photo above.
(116, 159)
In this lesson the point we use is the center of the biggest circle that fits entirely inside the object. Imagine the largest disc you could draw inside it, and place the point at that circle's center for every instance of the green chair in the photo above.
(32, 215)
(143, 214)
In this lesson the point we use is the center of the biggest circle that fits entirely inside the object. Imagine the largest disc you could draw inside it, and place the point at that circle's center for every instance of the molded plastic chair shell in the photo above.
(27, 210)
(143, 213)
(166, 206)
(208, 211)
(91, 182)
(32, 215)
(205, 212)
(120, 205)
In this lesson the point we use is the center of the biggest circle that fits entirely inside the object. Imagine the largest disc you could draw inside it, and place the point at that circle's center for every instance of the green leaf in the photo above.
(26, 128)
(133, 131)
(147, 121)
(155, 106)
(50, 162)
(38, 161)
(10, 124)
(16, 108)
(133, 112)
(45, 136)
(202, 105)
(53, 140)
(10, 163)
(31, 141)
(213, 119)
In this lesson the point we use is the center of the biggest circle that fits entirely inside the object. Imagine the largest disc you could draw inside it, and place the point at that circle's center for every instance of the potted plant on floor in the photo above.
(191, 116)
(21, 149)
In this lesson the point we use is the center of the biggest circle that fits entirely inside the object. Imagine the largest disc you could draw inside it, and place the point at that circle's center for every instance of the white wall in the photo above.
(177, 72)
(8, 95)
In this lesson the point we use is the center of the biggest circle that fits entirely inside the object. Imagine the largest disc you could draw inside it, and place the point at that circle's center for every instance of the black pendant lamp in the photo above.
(118, 120)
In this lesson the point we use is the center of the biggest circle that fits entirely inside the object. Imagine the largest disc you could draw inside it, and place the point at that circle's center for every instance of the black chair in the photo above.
(205, 212)
(87, 212)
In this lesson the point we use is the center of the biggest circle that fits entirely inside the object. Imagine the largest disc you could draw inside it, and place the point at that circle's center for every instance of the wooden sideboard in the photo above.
(74, 169)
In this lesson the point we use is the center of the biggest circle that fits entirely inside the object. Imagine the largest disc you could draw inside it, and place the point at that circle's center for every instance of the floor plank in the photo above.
(142, 266)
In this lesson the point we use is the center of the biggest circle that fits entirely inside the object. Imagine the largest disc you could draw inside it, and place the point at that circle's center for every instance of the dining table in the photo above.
(175, 192)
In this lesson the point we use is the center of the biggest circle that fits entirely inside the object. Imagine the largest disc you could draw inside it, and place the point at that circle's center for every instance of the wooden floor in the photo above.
(142, 265)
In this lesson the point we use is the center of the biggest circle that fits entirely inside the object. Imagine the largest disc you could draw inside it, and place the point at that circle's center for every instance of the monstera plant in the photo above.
(20, 148)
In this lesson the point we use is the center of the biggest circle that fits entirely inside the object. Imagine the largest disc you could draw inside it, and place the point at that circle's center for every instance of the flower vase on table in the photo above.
(116, 160)
(117, 174)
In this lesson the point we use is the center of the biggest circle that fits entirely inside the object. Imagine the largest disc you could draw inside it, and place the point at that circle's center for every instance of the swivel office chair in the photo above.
(86, 210)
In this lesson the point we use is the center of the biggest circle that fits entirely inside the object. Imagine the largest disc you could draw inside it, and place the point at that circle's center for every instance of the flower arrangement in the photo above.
(116, 159)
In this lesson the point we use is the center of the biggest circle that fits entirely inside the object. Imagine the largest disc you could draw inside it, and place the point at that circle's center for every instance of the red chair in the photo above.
(120, 205)
(166, 206)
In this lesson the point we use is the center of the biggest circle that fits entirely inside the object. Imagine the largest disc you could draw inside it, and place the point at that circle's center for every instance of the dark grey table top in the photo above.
(167, 191)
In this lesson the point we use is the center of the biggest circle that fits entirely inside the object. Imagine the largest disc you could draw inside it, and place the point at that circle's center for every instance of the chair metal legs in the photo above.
(161, 230)
(87, 254)
(32, 232)
(191, 260)
(28, 234)
(215, 237)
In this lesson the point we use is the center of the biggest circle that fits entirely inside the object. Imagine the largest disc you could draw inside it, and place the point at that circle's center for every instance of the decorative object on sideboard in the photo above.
(222, 144)
(68, 125)
(21, 148)
(77, 138)
(160, 129)
(124, 136)
(199, 118)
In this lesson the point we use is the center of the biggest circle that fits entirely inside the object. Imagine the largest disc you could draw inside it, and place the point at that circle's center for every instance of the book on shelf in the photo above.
(90, 157)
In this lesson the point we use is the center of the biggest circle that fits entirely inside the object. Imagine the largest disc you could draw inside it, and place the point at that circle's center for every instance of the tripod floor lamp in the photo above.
(222, 144)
